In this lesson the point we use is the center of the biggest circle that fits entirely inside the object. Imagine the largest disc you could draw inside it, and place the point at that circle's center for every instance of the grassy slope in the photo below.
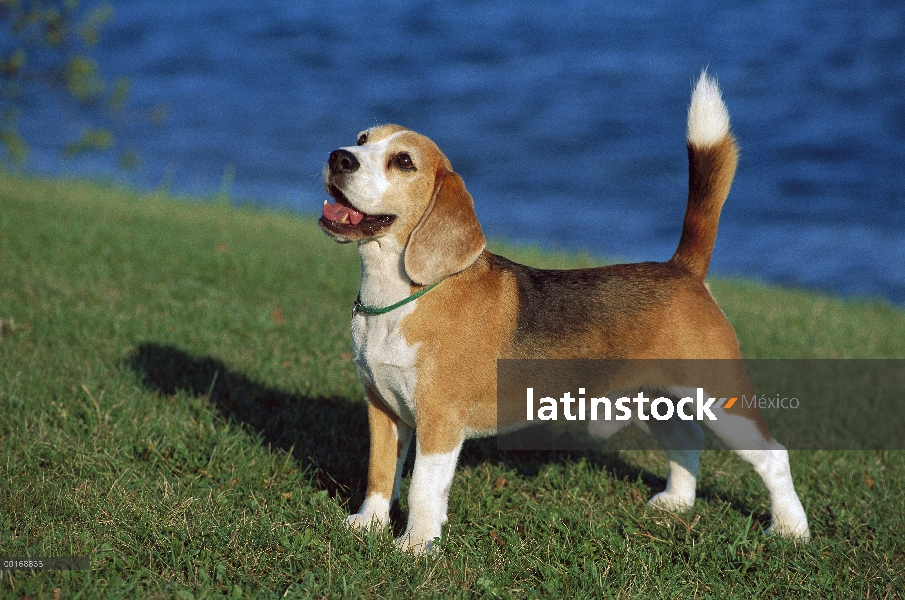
(178, 402)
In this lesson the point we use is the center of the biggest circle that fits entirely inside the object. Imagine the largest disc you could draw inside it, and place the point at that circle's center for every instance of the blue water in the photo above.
(566, 119)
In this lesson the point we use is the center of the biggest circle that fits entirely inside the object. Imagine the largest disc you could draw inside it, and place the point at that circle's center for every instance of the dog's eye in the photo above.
(404, 161)
(362, 139)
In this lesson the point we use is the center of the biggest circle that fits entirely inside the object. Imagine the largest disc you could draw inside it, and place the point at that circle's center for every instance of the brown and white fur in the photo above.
(430, 365)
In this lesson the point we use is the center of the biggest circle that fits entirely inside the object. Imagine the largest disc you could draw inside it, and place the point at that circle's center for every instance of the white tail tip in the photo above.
(708, 119)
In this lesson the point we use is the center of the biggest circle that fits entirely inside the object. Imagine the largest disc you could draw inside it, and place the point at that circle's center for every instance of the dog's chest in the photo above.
(386, 362)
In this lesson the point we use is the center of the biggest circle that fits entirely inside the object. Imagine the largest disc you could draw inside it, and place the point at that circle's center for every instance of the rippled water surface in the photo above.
(565, 119)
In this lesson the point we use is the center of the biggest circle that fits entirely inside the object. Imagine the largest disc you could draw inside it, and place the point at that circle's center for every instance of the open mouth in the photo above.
(343, 218)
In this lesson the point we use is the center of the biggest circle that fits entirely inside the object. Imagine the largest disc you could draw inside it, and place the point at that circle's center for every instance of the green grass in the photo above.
(178, 403)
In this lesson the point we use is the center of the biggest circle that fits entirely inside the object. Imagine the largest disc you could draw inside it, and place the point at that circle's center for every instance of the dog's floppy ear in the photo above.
(448, 238)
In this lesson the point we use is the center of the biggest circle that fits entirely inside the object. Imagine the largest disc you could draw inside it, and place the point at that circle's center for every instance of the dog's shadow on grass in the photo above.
(330, 434)
(326, 434)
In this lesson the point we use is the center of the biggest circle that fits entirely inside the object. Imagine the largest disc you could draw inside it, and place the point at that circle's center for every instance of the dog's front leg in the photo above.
(390, 437)
(435, 464)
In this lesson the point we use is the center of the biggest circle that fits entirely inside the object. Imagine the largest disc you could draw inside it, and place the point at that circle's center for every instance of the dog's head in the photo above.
(396, 182)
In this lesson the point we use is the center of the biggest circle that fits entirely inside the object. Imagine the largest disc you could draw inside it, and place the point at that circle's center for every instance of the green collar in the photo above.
(358, 307)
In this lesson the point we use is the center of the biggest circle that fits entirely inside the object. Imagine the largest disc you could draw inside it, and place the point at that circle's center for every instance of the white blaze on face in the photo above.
(365, 188)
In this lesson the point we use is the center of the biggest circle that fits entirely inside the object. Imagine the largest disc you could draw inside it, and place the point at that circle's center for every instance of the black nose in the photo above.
(342, 161)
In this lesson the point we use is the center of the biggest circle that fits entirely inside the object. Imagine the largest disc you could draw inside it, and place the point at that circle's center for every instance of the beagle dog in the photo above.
(436, 311)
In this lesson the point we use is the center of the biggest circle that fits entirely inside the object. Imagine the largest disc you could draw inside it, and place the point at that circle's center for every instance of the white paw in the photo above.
(374, 513)
(417, 544)
(671, 501)
(794, 530)
(367, 521)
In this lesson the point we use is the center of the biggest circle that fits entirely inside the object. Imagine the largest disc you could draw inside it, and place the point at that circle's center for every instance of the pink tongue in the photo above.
(336, 211)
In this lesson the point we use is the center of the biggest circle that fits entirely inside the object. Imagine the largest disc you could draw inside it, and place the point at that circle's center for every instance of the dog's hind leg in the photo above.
(750, 440)
(682, 441)
(681, 484)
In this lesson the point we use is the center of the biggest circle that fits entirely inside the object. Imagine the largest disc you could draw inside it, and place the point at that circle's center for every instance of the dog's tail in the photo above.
(712, 156)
